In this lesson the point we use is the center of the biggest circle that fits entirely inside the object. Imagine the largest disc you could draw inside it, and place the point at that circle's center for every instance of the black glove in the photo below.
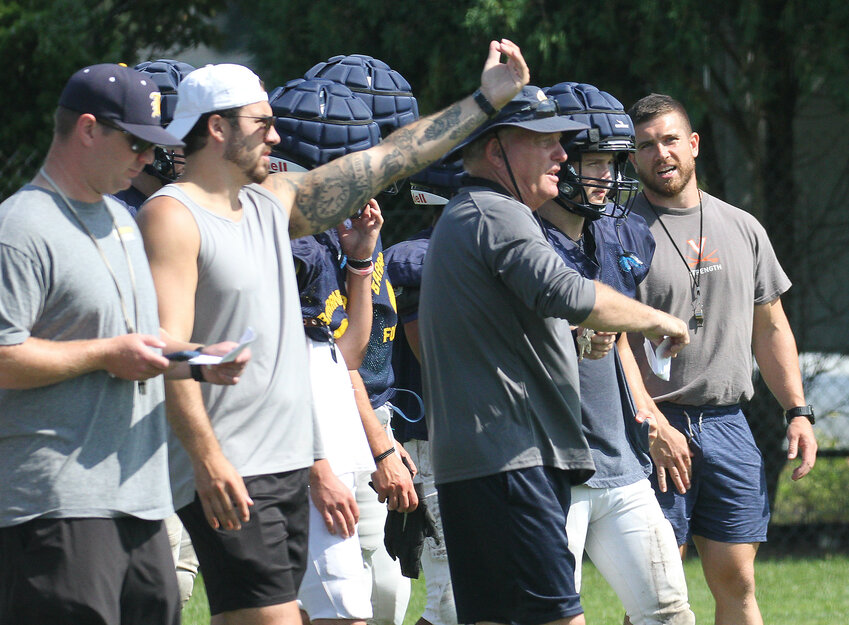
(404, 534)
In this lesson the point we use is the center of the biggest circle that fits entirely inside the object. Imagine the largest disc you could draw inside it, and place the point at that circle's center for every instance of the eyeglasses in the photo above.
(267, 121)
(137, 146)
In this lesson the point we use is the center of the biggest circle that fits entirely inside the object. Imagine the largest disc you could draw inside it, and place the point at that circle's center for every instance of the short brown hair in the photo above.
(196, 138)
(654, 105)
(64, 121)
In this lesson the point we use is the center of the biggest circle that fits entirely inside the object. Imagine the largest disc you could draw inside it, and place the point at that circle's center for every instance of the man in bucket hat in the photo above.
(501, 373)
(219, 248)
(82, 434)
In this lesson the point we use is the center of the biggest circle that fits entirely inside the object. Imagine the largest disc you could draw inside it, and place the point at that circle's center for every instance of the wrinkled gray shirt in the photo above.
(500, 369)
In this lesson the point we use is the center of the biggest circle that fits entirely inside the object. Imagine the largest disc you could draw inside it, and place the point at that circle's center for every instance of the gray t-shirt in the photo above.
(91, 446)
(246, 278)
(500, 370)
(737, 270)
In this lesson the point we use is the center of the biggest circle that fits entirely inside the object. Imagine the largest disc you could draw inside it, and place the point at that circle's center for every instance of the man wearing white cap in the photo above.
(82, 422)
(221, 260)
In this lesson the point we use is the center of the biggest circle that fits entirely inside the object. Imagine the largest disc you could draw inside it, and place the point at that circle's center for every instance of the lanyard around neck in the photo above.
(698, 309)
(131, 329)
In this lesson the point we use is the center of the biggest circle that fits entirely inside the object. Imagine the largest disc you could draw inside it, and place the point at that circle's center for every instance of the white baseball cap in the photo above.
(214, 88)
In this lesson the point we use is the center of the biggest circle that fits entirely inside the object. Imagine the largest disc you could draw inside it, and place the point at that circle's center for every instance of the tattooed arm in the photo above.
(325, 196)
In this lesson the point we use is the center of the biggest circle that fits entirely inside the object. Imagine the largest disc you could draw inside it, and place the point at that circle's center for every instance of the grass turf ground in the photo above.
(812, 590)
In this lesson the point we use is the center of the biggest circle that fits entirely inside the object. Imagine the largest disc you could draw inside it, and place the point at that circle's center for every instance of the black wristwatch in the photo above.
(197, 373)
(800, 411)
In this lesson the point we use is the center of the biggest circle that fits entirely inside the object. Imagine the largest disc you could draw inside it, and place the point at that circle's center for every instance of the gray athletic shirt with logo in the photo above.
(738, 270)
(500, 369)
(246, 278)
(91, 446)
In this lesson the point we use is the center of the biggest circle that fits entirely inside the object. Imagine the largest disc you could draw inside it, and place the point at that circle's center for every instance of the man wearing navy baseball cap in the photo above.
(501, 372)
(82, 434)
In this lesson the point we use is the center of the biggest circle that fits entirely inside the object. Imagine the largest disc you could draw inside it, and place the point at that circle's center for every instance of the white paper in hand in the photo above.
(248, 337)
(660, 365)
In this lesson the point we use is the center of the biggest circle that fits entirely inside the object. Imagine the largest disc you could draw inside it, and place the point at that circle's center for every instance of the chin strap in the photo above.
(509, 169)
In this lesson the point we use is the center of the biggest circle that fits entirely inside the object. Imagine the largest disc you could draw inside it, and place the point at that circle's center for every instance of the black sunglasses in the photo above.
(137, 146)
(267, 121)
(540, 109)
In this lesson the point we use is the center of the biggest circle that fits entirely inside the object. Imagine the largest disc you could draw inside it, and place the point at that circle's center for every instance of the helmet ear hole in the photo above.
(610, 132)
(319, 120)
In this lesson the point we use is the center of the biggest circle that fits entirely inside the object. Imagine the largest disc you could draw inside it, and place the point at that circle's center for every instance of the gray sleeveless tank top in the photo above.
(246, 278)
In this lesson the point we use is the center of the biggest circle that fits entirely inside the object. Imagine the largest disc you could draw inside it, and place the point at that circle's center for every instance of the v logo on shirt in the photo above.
(700, 256)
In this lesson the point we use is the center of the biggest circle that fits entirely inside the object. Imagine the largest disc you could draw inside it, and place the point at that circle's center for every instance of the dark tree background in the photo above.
(766, 83)
(43, 42)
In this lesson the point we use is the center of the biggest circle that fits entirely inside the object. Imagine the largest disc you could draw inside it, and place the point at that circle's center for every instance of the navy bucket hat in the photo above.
(530, 109)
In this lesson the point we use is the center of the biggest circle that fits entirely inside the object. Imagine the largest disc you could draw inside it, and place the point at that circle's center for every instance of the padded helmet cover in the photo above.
(385, 91)
(319, 120)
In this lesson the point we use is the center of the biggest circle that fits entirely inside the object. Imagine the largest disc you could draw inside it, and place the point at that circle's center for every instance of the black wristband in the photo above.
(385, 454)
(800, 411)
(486, 105)
(197, 373)
(359, 263)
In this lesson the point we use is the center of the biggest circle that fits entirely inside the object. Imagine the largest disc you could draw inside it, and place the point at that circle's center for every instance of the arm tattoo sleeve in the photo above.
(328, 194)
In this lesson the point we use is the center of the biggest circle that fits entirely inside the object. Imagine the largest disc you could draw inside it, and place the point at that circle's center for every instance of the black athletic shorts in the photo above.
(88, 572)
(263, 563)
(507, 550)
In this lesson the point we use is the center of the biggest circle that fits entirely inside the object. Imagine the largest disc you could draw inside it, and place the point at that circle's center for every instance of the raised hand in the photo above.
(501, 81)
(359, 240)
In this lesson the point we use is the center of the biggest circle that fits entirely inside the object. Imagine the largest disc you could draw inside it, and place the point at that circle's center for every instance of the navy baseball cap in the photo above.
(530, 109)
(120, 95)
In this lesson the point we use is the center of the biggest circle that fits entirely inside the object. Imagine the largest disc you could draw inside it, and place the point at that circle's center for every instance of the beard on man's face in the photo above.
(251, 165)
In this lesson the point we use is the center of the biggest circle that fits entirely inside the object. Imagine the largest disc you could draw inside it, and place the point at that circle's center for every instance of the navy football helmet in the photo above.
(610, 131)
(167, 75)
(318, 120)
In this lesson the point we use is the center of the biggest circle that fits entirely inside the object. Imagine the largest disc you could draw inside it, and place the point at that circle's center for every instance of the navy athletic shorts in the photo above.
(507, 548)
(88, 571)
(263, 563)
(727, 500)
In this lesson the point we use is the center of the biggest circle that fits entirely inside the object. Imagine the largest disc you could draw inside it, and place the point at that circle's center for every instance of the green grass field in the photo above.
(813, 591)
